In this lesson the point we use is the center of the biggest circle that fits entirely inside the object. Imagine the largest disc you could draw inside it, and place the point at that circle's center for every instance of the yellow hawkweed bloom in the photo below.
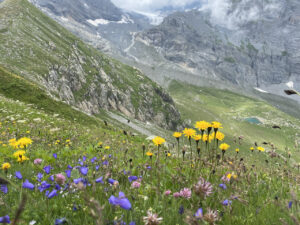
(168, 154)
(158, 141)
(229, 176)
(197, 137)
(261, 149)
(220, 136)
(237, 150)
(202, 125)
(5, 166)
(13, 142)
(224, 146)
(216, 125)
(208, 138)
(19, 153)
(188, 132)
(149, 154)
(22, 158)
(24, 142)
(107, 147)
(177, 134)
(252, 149)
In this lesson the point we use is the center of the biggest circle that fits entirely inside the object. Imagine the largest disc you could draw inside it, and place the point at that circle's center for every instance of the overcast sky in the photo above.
(150, 5)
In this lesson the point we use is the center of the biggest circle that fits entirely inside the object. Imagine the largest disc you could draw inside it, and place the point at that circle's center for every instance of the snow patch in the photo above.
(290, 84)
(260, 90)
(97, 22)
(64, 19)
(125, 19)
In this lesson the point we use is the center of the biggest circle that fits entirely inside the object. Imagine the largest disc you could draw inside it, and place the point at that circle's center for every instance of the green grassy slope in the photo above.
(39, 49)
(202, 103)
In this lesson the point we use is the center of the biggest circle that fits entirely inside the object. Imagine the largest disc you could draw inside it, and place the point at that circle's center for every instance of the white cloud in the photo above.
(223, 13)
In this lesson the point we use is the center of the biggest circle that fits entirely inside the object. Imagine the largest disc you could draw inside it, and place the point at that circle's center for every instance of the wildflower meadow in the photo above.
(56, 171)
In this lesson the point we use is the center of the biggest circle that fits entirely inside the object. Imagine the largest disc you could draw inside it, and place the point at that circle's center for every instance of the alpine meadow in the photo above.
(149, 112)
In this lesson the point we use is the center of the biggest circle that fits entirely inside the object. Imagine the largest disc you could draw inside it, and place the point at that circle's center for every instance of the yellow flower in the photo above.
(24, 142)
(237, 150)
(202, 125)
(158, 141)
(149, 154)
(168, 154)
(100, 143)
(252, 149)
(107, 147)
(224, 146)
(189, 132)
(220, 136)
(208, 138)
(261, 149)
(5, 166)
(13, 142)
(197, 137)
(216, 125)
(19, 153)
(177, 134)
(22, 158)
(68, 141)
(229, 176)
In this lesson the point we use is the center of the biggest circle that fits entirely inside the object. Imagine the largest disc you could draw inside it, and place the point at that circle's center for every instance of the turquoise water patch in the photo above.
(253, 120)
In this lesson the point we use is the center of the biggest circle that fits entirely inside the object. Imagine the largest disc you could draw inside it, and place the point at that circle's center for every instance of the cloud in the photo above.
(230, 15)
(150, 5)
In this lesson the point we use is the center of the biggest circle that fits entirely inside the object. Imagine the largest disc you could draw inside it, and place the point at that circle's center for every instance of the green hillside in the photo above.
(42, 51)
(242, 116)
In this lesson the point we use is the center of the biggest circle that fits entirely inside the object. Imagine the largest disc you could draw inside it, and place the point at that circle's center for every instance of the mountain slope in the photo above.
(42, 51)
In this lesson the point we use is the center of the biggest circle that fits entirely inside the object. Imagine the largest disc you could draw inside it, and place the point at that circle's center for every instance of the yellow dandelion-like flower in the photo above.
(168, 154)
(107, 147)
(202, 125)
(229, 176)
(216, 125)
(149, 154)
(177, 134)
(158, 141)
(207, 138)
(22, 158)
(188, 132)
(261, 149)
(24, 142)
(19, 153)
(13, 142)
(6, 166)
(237, 150)
(197, 137)
(220, 136)
(252, 149)
(224, 146)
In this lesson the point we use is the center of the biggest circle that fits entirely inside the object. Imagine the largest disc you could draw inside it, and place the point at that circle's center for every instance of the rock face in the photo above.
(254, 44)
(36, 47)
